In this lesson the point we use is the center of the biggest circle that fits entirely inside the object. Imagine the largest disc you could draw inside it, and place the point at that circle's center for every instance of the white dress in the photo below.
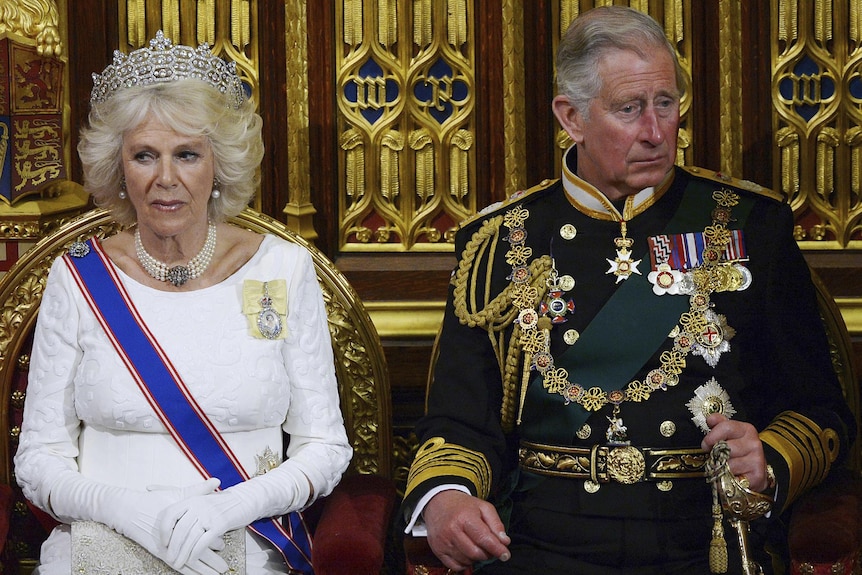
(84, 412)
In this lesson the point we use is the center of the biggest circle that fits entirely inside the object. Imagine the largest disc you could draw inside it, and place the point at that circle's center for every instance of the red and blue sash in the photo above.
(168, 395)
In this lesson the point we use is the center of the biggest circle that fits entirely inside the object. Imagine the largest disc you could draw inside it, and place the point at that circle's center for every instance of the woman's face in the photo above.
(169, 178)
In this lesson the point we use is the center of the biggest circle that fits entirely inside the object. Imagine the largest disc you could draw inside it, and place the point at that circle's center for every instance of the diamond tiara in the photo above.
(164, 62)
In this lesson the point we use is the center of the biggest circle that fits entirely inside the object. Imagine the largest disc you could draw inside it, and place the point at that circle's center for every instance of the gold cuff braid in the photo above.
(807, 449)
(437, 458)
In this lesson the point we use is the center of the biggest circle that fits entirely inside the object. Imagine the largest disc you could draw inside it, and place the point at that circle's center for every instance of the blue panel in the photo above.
(371, 91)
(448, 93)
(6, 176)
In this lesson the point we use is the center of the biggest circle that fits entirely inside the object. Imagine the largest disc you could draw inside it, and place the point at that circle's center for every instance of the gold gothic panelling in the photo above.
(171, 19)
(514, 127)
(405, 79)
(675, 16)
(568, 11)
(299, 209)
(817, 103)
(730, 87)
(228, 26)
(136, 18)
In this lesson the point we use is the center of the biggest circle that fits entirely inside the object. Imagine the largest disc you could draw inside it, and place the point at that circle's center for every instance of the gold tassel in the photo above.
(718, 546)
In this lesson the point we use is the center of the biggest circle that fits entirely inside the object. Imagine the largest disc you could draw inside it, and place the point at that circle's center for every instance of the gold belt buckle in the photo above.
(626, 464)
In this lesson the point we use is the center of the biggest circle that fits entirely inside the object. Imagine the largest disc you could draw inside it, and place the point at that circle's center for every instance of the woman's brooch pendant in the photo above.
(268, 320)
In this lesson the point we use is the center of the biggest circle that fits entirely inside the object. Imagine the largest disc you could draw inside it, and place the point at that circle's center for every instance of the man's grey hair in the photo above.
(592, 35)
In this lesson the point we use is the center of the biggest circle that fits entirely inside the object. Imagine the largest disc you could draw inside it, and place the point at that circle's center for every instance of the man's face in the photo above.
(628, 141)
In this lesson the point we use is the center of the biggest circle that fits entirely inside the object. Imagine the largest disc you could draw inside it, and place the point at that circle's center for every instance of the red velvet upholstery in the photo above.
(825, 528)
(6, 503)
(351, 535)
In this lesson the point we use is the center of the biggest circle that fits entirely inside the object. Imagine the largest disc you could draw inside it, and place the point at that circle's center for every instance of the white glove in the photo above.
(209, 562)
(189, 527)
(126, 511)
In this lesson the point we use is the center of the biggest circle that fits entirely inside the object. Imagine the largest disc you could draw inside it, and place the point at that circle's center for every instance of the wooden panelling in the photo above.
(399, 278)
(273, 79)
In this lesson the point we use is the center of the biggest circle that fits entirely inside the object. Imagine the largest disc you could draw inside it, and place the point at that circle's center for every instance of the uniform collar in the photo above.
(590, 201)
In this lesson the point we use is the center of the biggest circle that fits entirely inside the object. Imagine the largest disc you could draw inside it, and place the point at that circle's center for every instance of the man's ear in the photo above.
(569, 118)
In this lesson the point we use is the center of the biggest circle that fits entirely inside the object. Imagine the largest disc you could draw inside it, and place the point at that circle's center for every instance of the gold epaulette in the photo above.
(480, 303)
(735, 182)
(808, 450)
(515, 197)
(437, 458)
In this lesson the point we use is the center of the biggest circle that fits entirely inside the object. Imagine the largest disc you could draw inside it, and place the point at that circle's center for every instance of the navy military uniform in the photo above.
(541, 444)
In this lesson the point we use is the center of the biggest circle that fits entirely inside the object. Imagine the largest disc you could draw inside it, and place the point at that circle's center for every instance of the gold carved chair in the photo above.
(352, 524)
(825, 525)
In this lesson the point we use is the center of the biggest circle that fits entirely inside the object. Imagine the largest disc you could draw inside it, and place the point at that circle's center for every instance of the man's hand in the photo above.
(463, 529)
(746, 449)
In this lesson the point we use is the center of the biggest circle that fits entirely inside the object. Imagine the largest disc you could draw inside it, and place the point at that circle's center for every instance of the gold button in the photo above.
(585, 431)
(568, 232)
(664, 485)
(571, 336)
(591, 486)
(667, 428)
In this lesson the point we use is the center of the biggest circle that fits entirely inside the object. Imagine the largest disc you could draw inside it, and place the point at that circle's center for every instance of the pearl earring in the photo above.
(216, 194)
(123, 195)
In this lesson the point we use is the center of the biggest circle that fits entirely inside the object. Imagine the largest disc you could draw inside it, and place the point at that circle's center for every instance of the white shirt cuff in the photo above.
(416, 526)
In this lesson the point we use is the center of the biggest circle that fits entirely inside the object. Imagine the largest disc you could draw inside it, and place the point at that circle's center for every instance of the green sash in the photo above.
(625, 333)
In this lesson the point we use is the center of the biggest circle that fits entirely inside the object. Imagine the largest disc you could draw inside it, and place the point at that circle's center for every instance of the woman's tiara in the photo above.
(164, 62)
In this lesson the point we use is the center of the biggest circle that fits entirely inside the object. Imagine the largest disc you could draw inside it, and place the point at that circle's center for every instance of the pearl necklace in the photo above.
(177, 275)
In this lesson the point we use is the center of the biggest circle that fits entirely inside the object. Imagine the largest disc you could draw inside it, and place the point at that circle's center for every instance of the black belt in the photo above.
(605, 463)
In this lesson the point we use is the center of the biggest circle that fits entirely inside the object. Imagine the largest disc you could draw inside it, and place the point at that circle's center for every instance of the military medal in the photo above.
(709, 398)
(617, 432)
(712, 339)
(665, 280)
(268, 320)
(623, 266)
(554, 305)
(745, 273)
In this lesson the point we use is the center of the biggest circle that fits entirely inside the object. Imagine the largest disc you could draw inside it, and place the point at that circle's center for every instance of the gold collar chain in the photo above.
(699, 329)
